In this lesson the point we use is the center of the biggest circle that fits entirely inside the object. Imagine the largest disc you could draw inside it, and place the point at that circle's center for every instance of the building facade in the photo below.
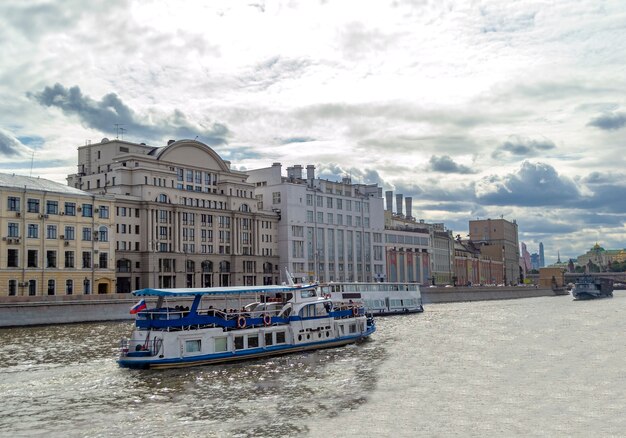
(56, 240)
(328, 231)
(472, 267)
(502, 235)
(183, 217)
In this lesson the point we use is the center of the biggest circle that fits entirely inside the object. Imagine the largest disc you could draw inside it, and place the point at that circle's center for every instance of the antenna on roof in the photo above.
(122, 130)
(117, 130)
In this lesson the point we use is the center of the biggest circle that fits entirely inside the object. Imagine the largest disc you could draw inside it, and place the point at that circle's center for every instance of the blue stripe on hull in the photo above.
(243, 355)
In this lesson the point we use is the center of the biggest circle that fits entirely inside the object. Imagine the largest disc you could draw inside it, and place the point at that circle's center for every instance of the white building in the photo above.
(329, 231)
(183, 217)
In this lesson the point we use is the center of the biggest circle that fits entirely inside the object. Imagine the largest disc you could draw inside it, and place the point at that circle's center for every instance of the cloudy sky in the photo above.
(476, 109)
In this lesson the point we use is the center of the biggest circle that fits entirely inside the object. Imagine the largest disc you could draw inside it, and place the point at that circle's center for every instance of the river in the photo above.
(545, 366)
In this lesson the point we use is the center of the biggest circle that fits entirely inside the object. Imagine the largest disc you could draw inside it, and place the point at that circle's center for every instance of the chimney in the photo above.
(399, 204)
(389, 200)
(409, 207)
(294, 172)
(310, 172)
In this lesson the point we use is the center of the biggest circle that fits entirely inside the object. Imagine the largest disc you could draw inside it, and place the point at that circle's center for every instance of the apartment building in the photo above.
(183, 217)
(328, 231)
(55, 240)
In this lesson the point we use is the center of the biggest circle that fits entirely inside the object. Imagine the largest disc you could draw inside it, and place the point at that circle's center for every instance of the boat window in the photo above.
(193, 346)
(238, 342)
(221, 344)
(342, 329)
(352, 328)
(253, 341)
(268, 339)
(307, 293)
(280, 337)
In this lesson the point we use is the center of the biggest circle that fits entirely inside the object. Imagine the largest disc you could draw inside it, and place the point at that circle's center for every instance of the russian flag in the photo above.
(141, 305)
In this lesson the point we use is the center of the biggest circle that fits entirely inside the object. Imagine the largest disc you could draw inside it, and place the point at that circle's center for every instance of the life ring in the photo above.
(267, 320)
(241, 322)
(355, 311)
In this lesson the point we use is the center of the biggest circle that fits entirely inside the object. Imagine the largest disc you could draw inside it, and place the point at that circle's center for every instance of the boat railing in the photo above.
(140, 347)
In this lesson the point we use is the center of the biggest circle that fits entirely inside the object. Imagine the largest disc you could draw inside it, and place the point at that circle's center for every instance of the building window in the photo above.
(12, 258)
(13, 203)
(104, 212)
(12, 287)
(51, 259)
(276, 197)
(33, 231)
(14, 229)
(103, 234)
(103, 260)
(32, 287)
(309, 200)
(87, 286)
(87, 210)
(70, 209)
(33, 205)
(52, 207)
(51, 232)
(69, 287)
(86, 259)
(50, 287)
(69, 233)
(87, 233)
(32, 258)
(69, 259)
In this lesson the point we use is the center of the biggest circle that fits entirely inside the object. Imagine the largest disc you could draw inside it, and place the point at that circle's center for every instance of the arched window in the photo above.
(163, 198)
(224, 266)
(207, 266)
(244, 208)
(103, 234)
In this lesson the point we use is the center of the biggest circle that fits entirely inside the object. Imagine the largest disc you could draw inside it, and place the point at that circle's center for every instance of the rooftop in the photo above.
(31, 183)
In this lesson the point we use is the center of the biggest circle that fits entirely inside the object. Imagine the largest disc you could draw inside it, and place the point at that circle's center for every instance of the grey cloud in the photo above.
(445, 164)
(522, 147)
(11, 146)
(609, 121)
(288, 140)
(532, 185)
(335, 172)
(274, 70)
(356, 40)
(110, 110)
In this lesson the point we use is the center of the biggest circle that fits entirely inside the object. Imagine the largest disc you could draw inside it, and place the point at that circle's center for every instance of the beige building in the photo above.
(183, 217)
(55, 240)
(408, 249)
(503, 235)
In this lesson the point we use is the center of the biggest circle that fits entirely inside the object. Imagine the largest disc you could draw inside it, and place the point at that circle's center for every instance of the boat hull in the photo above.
(230, 357)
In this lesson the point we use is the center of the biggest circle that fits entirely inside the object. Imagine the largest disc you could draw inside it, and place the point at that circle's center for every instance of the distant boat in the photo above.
(588, 288)
(378, 298)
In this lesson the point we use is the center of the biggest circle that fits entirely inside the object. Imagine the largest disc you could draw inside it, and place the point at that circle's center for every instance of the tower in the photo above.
(542, 260)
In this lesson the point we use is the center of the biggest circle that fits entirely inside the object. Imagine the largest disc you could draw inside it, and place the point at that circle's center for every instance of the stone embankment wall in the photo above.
(458, 294)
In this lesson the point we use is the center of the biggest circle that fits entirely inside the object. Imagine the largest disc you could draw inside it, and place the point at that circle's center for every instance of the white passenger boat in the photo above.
(279, 320)
(378, 298)
(588, 288)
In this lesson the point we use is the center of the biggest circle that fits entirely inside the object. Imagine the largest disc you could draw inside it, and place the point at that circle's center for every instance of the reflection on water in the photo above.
(534, 367)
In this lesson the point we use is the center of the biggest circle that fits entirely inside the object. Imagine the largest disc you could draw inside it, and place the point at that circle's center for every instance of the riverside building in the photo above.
(408, 243)
(183, 217)
(328, 231)
(55, 240)
(498, 239)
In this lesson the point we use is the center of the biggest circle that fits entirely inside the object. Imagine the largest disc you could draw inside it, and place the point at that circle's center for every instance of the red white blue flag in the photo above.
(141, 305)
